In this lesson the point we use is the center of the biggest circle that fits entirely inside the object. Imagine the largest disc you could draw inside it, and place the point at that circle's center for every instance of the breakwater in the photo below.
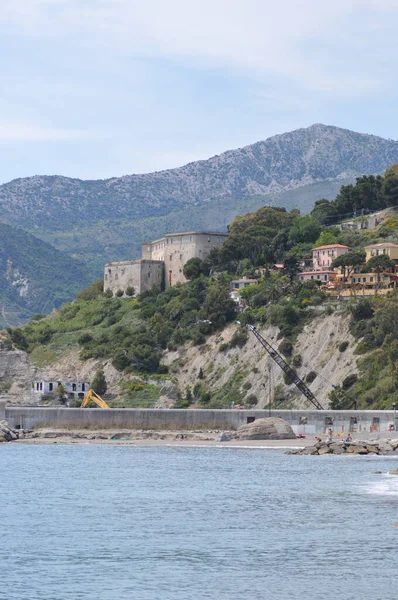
(306, 422)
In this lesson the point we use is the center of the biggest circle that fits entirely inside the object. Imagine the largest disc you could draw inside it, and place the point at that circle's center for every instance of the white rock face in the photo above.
(318, 346)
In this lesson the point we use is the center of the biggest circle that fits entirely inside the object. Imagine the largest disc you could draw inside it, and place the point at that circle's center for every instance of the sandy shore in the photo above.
(147, 438)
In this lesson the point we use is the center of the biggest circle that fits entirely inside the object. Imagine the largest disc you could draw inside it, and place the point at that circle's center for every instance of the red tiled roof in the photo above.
(383, 245)
(316, 272)
(330, 246)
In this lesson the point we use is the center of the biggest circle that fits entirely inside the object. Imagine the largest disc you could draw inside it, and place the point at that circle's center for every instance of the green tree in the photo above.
(327, 237)
(291, 266)
(99, 384)
(378, 264)
(348, 261)
(304, 229)
(130, 291)
(61, 394)
(390, 186)
(193, 268)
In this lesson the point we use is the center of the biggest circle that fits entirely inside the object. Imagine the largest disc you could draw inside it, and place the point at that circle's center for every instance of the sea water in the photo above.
(102, 522)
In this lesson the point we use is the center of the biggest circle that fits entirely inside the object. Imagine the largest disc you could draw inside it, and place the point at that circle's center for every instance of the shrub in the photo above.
(99, 384)
(297, 360)
(92, 291)
(119, 293)
(311, 376)
(349, 381)
(247, 385)
(130, 291)
(286, 348)
(343, 346)
(223, 347)
(120, 362)
(362, 310)
(84, 338)
(239, 338)
(251, 400)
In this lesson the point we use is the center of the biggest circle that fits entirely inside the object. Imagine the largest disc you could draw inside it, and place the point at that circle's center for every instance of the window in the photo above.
(41, 386)
(171, 257)
(83, 387)
(149, 275)
(326, 277)
(50, 387)
(73, 387)
(364, 279)
(37, 385)
(371, 279)
(180, 256)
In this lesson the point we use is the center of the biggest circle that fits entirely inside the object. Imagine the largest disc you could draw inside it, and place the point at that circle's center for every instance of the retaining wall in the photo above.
(318, 422)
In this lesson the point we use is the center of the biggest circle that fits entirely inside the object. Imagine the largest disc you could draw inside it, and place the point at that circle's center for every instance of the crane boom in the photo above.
(299, 383)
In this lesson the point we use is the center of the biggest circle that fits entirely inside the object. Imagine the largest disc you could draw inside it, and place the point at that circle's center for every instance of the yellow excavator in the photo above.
(91, 395)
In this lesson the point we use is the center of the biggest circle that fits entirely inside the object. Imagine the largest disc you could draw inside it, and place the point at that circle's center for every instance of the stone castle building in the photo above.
(162, 261)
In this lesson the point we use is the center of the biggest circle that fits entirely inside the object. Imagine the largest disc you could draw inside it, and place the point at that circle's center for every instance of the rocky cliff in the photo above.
(243, 372)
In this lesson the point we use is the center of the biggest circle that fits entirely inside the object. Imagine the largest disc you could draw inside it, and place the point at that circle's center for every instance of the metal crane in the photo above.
(294, 378)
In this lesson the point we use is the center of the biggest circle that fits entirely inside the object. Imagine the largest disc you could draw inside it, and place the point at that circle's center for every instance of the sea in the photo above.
(115, 522)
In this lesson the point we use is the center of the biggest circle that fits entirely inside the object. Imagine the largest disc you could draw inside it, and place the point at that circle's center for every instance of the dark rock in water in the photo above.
(223, 437)
(271, 428)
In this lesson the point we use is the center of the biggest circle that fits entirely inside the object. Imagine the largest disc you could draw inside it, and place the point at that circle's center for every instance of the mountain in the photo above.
(108, 219)
(34, 277)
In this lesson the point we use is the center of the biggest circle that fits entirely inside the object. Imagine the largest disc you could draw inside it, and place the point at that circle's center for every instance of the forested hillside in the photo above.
(135, 333)
(108, 219)
(34, 277)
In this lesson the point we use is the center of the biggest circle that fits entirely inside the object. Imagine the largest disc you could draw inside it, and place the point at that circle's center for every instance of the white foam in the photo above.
(387, 485)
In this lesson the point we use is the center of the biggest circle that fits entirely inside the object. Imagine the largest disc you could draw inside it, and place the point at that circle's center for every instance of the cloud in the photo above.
(251, 35)
(22, 132)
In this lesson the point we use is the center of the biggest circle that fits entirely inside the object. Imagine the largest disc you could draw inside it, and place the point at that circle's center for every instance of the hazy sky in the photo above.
(101, 88)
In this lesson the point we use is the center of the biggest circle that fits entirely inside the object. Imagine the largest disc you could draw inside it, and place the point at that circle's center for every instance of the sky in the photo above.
(103, 88)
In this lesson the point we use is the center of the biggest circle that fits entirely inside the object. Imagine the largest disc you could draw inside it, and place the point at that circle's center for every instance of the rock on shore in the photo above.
(271, 428)
(341, 447)
(6, 433)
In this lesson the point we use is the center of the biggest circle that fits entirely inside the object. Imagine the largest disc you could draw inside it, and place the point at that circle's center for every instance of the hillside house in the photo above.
(387, 248)
(325, 276)
(239, 284)
(75, 390)
(323, 256)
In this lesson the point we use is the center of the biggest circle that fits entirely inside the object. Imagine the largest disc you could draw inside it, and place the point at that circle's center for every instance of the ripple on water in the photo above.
(106, 522)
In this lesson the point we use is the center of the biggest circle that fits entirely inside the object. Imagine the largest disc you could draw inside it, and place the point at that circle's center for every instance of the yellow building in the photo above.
(387, 248)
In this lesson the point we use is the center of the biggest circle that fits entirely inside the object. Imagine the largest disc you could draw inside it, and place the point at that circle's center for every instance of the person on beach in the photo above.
(349, 438)
(330, 435)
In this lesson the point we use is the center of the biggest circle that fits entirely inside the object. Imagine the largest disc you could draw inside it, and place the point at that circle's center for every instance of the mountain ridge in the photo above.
(287, 168)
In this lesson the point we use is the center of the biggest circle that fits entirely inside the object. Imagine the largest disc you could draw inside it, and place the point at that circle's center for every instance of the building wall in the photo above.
(323, 276)
(175, 249)
(141, 274)
(323, 257)
(179, 248)
(380, 249)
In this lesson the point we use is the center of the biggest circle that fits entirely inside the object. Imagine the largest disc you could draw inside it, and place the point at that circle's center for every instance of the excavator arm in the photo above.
(92, 396)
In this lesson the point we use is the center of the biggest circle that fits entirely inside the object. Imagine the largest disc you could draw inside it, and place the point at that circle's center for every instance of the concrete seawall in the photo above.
(307, 422)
